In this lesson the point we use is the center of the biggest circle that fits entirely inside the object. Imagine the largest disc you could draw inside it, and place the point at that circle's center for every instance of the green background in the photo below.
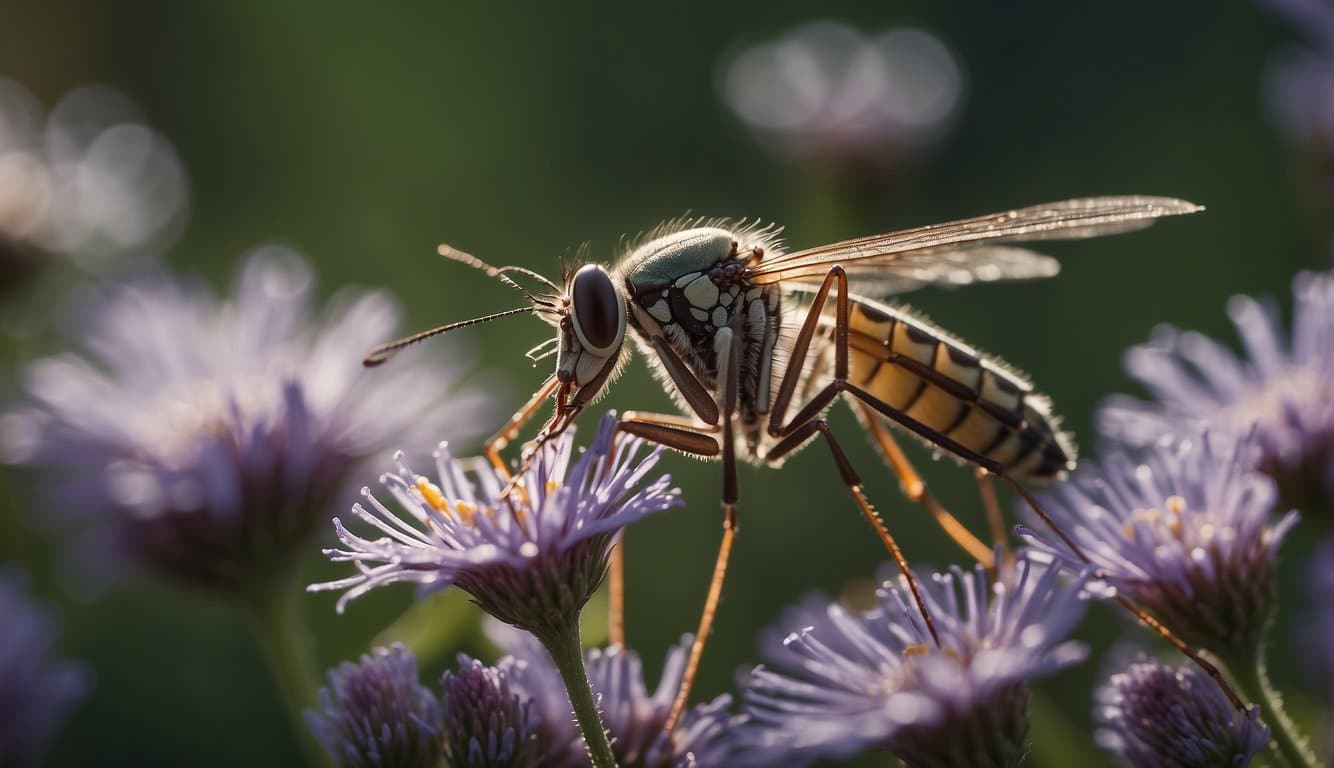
(365, 134)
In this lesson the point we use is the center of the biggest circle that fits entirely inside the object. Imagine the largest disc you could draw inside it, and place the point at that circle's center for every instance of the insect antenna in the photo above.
(382, 353)
(501, 273)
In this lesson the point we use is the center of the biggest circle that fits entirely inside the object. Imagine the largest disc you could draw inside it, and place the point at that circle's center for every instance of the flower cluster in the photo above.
(845, 681)
(1283, 391)
(37, 691)
(530, 550)
(210, 436)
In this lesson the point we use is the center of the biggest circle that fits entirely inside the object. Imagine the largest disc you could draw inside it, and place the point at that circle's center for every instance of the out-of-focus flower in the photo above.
(1299, 82)
(704, 737)
(827, 92)
(1188, 534)
(1317, 636)
(37, 691)
(90, 180)
(1284, 391)
(487, 724)
(1155, 716)
(845, 682)
(213, 435)
(377, 714)
(531, 558)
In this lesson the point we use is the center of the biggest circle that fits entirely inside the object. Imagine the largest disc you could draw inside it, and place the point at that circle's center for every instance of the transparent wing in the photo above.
(966, 251)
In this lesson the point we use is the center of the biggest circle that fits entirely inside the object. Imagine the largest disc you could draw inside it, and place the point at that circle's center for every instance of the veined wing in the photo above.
(965, 251)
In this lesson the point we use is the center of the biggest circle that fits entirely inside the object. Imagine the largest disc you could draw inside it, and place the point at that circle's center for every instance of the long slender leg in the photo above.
(810, 413)
(912, 485)
(799, 436)
(728, 346)
(995, 521)
(616, 593)
(502, 438)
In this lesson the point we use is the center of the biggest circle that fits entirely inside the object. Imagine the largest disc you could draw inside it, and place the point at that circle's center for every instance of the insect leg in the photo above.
(995, 521)
(915, 488)
(728, 346)
(809, 415)
(499, 440)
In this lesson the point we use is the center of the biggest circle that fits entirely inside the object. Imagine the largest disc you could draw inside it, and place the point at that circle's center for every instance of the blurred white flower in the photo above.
(826, 91)
(90, 180)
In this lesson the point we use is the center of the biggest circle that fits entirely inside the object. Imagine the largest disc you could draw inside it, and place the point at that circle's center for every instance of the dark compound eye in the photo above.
(597, 308)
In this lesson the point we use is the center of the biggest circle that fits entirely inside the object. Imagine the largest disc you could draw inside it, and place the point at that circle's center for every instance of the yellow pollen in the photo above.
(918, 649)
(433, 496)
(1128, 529)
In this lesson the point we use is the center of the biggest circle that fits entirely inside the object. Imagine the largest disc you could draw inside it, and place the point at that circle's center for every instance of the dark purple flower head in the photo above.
(1155, 716)
(377, 714)
(531, 558)
(1188, 533)
(1283, 390)
(37, 691)
(487, 724)
(210, 436)
(844, 682)
(704, 738)
(827, 92)
(1317, 636)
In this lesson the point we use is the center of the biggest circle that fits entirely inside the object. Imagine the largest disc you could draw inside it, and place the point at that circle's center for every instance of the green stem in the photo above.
(1285, 739)
(567, 652)
(280, 627)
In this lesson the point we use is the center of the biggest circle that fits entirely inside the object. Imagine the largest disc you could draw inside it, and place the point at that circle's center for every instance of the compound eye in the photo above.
(599, 319)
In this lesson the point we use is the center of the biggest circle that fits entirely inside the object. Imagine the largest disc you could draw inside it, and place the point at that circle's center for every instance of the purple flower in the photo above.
(531, 558)
(827, 92)
(1155, 716)
(1317, 635)
(843, 682)
(487, 724)
(1188, 534)
(37, 691)
(1284, 390)
(212, 436)
(704, 738)
(377, 714)
(90, 180)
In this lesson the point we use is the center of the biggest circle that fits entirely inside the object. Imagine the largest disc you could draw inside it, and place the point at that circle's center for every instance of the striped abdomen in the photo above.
(952, 396)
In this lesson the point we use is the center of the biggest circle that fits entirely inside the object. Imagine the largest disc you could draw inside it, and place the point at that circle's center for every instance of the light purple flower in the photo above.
(37, 691)
(209, 437)
(1155, 716)
(634, 717)
(531, 558)
(1283, 390)
(377, 714)
(1188, 533)
(841, 682)
(1299, 82)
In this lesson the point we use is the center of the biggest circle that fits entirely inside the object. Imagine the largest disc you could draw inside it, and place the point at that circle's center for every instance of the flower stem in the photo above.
(566, 651)
(279, 626)
(1285, 739)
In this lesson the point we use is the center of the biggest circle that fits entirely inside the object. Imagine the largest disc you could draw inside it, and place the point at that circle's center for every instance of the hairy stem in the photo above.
(566, 651)
(1284, 737)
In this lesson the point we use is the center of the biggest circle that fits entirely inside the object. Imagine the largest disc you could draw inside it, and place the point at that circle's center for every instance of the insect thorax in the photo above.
(686, 286)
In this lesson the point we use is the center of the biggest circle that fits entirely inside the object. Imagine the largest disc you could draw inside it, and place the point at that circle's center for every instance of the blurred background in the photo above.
(364, 139)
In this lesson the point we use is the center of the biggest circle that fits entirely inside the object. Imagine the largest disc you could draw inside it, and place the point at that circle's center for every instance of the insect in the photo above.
(755, 344)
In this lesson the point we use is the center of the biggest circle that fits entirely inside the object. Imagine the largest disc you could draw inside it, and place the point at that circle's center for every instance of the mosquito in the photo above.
(747, 340)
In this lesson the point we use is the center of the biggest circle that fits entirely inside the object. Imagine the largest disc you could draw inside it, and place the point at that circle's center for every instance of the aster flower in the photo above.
(634, 717)
(827, 92)
(1283, 391)
(37, 691)
(1154, 716)
(90, 180)
(377, 714)
(1188, 534)
(531, 558)
(211, 436)
(487, 724)
(842, 682)
(1317, 635)
(1300, 80)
